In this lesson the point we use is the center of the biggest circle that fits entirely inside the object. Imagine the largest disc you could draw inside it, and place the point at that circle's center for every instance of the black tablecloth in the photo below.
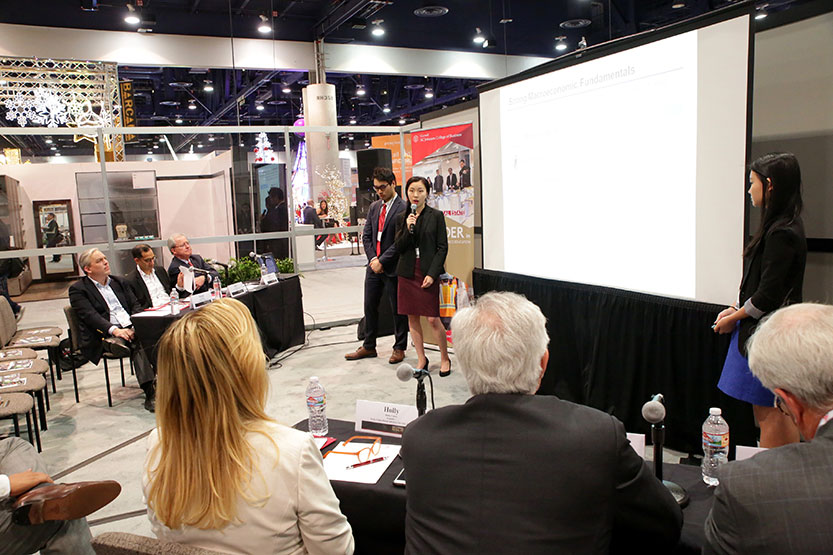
(377, 511)
(277, 309)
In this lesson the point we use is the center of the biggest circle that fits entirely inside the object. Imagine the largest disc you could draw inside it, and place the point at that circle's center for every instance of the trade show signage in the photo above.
(425, 143)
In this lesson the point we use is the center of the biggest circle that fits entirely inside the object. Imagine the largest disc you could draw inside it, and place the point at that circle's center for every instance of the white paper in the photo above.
(335, 464)
(743, 452)
(638, 443)
(187, 278)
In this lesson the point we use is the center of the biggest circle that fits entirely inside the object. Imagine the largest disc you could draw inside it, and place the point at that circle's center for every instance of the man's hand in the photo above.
(427, 282)
(198, 281)
(24, 481)
(180, 280)
(376, 266)
(123, 333)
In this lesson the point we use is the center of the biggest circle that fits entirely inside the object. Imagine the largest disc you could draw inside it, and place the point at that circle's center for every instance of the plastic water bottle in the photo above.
(174, 301)
(715, 445)
(317, 406)
(217, 292)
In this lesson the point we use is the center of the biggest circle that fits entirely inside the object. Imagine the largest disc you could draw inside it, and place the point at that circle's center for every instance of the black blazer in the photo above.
(140, 290)
(94, 314)
(531, 474)
(430, 236)
(773, 275)
(389, 255)
(198, 262)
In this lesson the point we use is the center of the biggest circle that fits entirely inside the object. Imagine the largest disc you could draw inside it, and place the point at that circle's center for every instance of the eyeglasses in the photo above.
(779, 404)
(363, 454)
(381, 187)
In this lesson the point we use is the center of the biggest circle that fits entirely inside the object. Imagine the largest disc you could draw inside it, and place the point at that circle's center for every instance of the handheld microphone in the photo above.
(407, 372)
(654, 410)
(413, 211)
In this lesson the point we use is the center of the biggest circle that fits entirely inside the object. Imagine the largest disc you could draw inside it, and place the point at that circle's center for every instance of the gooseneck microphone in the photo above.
(654, 412)
(406, 372)
(413, 211)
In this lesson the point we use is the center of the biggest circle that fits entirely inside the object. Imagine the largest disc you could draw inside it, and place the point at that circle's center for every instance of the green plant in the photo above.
(286, 266)
(239, 269)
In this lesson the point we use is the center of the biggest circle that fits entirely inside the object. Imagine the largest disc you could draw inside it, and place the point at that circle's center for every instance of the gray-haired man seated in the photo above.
(781, 500)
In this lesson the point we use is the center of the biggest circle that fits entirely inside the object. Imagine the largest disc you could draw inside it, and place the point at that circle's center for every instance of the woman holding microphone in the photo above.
(773, 274)
(423, 245)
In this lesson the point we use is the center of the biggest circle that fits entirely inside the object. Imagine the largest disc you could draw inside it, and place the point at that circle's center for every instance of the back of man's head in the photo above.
(499, 343)
(792, 349)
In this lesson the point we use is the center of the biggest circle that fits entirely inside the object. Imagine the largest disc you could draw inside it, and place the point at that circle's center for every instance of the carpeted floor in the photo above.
(46, 291)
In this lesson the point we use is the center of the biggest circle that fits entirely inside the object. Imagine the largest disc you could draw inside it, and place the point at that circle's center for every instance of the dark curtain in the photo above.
(612, 349)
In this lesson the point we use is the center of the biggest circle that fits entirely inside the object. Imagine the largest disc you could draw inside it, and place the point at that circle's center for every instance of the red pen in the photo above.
(357, 465)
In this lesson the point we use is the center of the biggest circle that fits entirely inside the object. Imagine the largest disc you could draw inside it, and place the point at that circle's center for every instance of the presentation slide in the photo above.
(626, 171)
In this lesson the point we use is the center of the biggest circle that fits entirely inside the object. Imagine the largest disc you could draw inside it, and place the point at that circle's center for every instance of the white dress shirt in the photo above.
(5, 487)
(157, 292)
(118, 315)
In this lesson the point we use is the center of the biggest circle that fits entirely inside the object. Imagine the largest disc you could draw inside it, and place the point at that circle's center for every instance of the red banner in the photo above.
(424, 143)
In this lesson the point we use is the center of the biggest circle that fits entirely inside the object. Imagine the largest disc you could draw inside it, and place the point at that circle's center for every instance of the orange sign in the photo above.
(391, 142)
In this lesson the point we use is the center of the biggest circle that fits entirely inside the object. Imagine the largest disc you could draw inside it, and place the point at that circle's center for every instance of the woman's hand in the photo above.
(427, 282)
(412, 218)
(723, 313)
(725, 324)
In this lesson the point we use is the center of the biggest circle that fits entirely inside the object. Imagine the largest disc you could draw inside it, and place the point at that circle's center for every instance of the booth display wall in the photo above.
(195, 207)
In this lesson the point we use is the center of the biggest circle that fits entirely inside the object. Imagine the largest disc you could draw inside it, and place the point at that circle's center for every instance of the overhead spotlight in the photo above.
(211, 139)
(489, 41)
(48, 141)
(346, 147)
(561, 45)
(191, 105)
(53, 148)
(286, 89)
(582, 44)
(366, 143)
(352, 121)
(155, 146)
(761, 14)
(479, 37)
(429, 93)
(259, 107)
(208, 87)
(199, 145)
(150, 152)
(678, 4)
(386, 109)
(360, 91)
(264, 26)
(132, 17)
(178, 120)
(378, 30)
(57, 154)
(402, 121)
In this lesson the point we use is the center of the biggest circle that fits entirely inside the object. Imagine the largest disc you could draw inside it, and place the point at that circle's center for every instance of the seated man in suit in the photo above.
(36, 514)
(104, 304)
(515, 472)
(150, 283)
(780, 500)
(184, 256)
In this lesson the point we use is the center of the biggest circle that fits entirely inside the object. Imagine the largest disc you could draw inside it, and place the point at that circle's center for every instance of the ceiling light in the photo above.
(211, 139)
(360, 91)
(132, 18)
(286, 89)
(366, 143)
(346, 147)
(352, 121)
(378, 30)
(199, 145)
(208, 87)
(402, 121)
(479, 37)
(53, 148)
(150, 152)
(489, 41)
(259, 107)
(178, 120)
(48, 141)
(191, 105)
(429, 93)
(678, 4)
(57, 154)
(386, 109)
(155, 146)
(761, 14)
(264, 26)
(560, 45)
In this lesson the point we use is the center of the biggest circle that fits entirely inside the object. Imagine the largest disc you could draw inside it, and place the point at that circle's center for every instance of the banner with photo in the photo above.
(444, 157)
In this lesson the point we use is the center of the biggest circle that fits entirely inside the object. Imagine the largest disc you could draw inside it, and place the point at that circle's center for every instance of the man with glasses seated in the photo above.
(780, 500)
(103, 304)
(514, 472)
(184, 257)
(150, 283)
(380, 278)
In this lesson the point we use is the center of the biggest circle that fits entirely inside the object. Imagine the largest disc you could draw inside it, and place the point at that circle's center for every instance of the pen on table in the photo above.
(357, 465)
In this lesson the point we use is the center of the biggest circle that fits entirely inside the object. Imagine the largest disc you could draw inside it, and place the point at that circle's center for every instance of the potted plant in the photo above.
(239, 269)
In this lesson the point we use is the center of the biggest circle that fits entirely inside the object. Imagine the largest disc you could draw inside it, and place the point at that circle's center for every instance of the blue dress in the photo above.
(738, 381)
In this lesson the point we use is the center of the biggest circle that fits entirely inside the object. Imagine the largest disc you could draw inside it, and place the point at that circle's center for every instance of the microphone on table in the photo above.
(654, 412)
(407, 372)
(413, 211)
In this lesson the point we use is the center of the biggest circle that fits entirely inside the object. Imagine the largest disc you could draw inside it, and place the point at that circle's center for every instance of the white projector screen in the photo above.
(625, 171)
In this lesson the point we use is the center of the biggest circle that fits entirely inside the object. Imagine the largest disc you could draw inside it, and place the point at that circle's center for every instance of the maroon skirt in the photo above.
(412, 299)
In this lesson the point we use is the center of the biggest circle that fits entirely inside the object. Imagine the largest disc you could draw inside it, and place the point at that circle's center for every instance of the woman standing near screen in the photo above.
(773, 274)
(423, 245)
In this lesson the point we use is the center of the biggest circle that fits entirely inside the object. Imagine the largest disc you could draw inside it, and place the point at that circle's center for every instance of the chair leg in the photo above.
(35, 427)
(107, 379)
(121, 364)
(28, 428)
(132, 373)
(17, 426)
(53, 352)
(74, 378)
(46, 396)
(41, 410)
(51, 368)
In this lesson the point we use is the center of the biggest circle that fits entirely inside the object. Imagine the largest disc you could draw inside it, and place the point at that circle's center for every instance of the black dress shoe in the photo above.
(444, 374)
(63, 501)
(150, 404)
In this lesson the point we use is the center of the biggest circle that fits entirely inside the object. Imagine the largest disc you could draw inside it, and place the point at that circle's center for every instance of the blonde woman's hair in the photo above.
(212, 390)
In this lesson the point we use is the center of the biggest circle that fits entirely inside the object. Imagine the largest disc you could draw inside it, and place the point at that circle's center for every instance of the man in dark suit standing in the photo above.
(104, 304)
(276, 218)
(380, 276)
(780, 500)
(184, 256)
(150, 283)
(515, 472)
(451, 180)
(465, 175)
(311, 217)
(438, 183)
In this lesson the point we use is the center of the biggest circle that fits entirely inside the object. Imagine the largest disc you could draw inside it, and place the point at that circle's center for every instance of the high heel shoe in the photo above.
(444, 374)
(425, 367)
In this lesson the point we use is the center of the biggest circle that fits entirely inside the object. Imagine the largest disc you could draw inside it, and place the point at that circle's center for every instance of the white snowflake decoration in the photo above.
(42, 107)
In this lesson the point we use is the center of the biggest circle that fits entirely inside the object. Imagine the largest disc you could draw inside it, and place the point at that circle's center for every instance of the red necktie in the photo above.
(381, 227)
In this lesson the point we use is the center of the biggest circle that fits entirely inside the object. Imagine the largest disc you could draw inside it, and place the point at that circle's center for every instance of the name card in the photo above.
(386, 419)
(200, 299)
(269, 279)
(236, 289)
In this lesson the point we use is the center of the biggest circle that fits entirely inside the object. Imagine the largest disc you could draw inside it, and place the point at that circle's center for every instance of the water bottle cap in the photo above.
(715, 411)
